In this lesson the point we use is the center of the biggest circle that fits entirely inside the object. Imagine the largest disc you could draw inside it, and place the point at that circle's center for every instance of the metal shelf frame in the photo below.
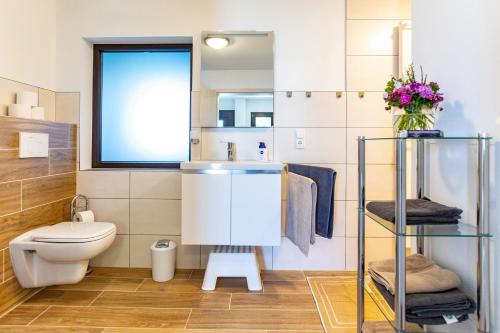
(483, 261)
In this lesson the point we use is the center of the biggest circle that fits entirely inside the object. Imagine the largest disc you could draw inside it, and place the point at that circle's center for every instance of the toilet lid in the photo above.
(74, 232)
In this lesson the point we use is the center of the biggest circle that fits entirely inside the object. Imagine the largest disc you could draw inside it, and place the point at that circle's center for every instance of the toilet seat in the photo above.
(73, 232)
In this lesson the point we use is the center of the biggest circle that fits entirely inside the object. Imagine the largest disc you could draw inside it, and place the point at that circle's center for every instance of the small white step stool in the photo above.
(233, 261)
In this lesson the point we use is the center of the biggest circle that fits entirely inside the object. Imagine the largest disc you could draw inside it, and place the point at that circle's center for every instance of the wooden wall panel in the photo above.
(53, 188)
(15, 168)
(10, 197)
(62, 160)
(33, 191)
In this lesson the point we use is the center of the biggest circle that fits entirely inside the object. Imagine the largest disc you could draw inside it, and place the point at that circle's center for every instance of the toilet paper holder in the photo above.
(76, 207)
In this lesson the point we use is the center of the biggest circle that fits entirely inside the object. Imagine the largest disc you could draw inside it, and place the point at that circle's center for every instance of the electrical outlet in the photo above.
(300, 143)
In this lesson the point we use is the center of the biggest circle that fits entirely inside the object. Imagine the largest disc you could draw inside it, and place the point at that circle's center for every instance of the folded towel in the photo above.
(429, 308)
(325, 180)
(418, 211)
(422, 275)
(301, 211)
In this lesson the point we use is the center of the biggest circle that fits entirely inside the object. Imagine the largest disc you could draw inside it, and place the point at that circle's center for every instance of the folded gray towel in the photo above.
(418, 211)
(301, 211)
(422, 275)
(429, 308)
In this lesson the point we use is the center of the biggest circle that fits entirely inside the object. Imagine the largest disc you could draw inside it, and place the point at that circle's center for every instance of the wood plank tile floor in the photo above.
(114, 300)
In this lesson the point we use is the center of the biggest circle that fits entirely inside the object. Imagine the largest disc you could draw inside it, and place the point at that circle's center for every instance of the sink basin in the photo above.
(232, 165)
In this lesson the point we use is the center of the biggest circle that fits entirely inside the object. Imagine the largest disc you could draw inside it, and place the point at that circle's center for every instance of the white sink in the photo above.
(232, 165)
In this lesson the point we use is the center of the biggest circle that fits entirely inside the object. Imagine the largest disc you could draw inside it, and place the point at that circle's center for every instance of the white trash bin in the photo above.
(163, 254)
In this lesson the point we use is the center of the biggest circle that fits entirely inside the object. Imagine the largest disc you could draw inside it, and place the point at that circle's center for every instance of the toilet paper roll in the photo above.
(85, 216)
(38, 112)
(27, 97)
(20, 110)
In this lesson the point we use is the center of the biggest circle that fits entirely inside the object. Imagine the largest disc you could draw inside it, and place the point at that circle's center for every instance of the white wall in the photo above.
(28, 39)
(456, 41)
(310, 55)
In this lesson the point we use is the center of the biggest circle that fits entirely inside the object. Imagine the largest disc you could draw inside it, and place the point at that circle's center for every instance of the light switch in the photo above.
(300, 143)
(33, 145)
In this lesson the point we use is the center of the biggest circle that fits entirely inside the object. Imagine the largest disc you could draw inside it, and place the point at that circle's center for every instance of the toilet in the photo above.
(58, 254)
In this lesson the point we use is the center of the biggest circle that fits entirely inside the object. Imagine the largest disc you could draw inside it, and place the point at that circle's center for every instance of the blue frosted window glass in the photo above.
(145, 106)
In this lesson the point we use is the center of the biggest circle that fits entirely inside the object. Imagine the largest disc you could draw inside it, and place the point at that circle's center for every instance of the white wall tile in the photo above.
(323, 145)
(155, 217)
(377, 152)
(116, 256)
(375, 249)
(373, 229)
(188, 256)
(322, 109)
(368, 111)
(247, 142)
(103, 184)
(195, 109)
(339, 219)
(370, 73)
(155, 184)
(325, 254)
(196, 147)
(68, 107)
(378, 9)
(372, 37)
(112, 210)
(380, 182)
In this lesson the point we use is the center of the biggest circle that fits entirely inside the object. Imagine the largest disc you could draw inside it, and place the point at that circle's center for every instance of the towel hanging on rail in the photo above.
(325, 180)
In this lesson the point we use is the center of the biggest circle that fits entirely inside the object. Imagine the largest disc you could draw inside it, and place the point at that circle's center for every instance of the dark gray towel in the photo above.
(325, 179)
(418, 211)
(429, 308)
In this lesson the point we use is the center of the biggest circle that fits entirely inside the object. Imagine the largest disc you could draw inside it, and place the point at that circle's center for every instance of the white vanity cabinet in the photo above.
(230, 204)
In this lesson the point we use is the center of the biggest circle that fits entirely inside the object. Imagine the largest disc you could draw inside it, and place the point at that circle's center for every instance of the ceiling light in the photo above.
(217, 42)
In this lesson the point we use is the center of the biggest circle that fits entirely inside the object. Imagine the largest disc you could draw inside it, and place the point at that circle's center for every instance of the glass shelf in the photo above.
(431, 230)
(465, 327)
(444, 138)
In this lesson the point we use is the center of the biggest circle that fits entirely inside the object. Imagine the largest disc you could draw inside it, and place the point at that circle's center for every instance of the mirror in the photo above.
(237, 79)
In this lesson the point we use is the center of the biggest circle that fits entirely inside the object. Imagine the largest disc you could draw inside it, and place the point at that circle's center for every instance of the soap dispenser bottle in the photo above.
(262, 156)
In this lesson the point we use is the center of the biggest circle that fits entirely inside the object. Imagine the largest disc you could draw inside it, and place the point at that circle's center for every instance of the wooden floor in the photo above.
(114, 300)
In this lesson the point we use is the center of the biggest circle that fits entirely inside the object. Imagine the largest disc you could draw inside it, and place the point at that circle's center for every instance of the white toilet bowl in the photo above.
(58, 254)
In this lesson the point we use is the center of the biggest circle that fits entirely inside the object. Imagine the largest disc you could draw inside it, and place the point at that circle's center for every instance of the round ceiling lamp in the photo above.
(217, 42)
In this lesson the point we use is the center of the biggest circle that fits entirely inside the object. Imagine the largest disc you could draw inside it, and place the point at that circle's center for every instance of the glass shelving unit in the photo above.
(479, 230)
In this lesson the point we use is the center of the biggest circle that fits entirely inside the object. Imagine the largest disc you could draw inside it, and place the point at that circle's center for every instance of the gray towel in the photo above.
(429, 308)
(422, 275)
(418, 211)
(325, 181)
(301, 211)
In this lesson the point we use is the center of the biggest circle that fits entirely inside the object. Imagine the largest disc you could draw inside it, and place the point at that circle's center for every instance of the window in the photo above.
(141, 105)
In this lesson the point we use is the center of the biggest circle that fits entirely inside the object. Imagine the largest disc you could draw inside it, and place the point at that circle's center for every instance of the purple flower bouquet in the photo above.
(418, 100)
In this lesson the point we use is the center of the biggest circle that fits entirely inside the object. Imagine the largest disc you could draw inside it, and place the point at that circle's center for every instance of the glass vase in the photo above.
(414, 119)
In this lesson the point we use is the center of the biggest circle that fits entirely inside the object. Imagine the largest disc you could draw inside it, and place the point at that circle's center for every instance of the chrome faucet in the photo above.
(231, 151)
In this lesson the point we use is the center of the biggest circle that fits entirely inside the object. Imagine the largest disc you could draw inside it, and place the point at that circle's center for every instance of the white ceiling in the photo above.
(244, 52)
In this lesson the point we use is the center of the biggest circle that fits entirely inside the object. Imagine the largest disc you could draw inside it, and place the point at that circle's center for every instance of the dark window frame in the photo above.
(97, 99)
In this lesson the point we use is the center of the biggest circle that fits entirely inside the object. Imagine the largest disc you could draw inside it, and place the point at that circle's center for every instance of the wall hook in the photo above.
(308, 94)
(289, 94)
(338, 94)
(361, 94)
